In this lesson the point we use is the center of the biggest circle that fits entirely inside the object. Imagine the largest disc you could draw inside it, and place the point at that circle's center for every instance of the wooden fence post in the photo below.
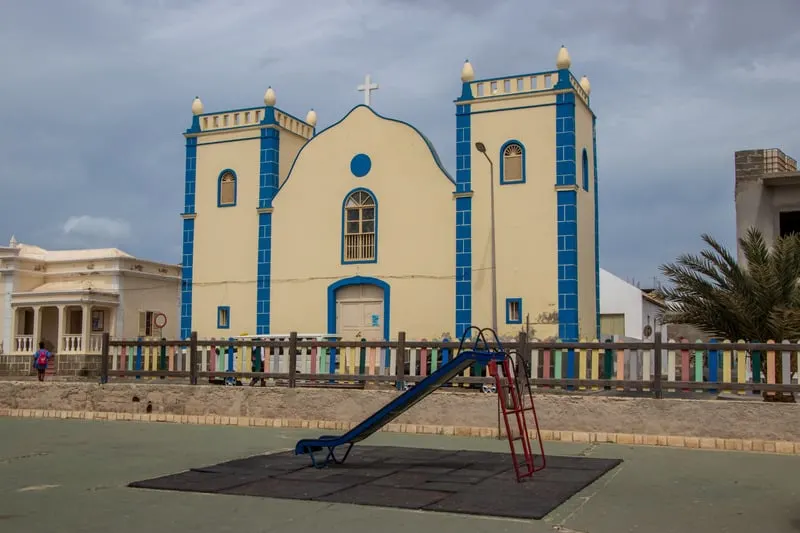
(193, 358)
(658, 349)
(292, 359)
(400, 360)
(105, 350)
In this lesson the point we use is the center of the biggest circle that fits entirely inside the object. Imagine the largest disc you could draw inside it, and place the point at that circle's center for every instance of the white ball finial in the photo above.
(562, 59)
(467, 72)
(311, 118)
(197, 106)
(585, 85)
(269, 97)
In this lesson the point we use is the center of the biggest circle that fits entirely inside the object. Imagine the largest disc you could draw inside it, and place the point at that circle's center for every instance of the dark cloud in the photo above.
(94, 97)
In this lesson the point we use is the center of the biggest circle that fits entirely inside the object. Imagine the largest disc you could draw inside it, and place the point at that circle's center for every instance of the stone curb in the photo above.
(670, 441)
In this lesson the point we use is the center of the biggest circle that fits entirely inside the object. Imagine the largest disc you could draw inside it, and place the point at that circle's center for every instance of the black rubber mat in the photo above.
(455, 481)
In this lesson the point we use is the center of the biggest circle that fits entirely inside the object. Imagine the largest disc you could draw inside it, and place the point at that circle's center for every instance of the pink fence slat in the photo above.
(313, 369)
(685, 366)
(423, 362)
(171, 359)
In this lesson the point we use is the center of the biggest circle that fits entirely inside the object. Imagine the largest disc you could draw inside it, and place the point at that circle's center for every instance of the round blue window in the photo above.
(360, 165)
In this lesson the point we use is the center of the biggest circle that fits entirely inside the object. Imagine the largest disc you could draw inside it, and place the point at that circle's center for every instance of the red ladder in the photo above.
(514, 404)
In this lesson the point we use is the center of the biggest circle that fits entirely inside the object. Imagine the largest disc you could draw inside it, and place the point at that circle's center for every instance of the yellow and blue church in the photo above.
(359, 230)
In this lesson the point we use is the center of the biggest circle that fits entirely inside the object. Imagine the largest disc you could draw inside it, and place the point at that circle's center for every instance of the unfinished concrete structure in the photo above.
(767, 193)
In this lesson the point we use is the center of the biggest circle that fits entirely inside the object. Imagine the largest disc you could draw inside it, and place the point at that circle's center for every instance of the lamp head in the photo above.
(481, 148)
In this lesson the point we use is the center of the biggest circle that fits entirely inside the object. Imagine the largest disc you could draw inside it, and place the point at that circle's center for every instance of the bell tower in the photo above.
(526, 203)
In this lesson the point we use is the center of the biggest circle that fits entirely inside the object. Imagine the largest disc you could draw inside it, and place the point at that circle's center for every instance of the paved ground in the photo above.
(70, 476)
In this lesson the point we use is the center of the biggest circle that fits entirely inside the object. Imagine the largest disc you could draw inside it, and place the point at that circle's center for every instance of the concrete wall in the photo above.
(63, 365)
(617, 296)
(688, 418)
(756, 204)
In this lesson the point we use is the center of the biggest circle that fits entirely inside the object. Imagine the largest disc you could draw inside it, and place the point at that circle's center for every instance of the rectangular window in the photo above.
(513, 310)
(147, 324)
(612, 324)
(223, 317)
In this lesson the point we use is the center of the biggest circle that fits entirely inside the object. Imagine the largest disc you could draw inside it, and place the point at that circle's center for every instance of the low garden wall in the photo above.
(744, 425)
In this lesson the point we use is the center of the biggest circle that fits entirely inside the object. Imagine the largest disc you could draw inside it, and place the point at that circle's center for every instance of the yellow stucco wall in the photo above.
(225, 249)
(525, 213)
(149, 294)
(416, 228)
(290, 145)
(586, 239)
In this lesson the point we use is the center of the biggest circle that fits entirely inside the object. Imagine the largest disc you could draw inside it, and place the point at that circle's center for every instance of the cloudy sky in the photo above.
(94, 95)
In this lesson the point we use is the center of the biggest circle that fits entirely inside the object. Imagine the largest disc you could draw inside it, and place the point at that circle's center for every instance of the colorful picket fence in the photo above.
(587, 365)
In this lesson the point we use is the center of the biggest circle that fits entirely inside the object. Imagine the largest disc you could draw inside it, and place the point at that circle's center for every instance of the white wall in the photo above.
(617, 296)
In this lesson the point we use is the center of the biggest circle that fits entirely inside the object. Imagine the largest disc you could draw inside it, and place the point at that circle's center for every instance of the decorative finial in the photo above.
(311, 118)
(467, 72)
(269, 97)
(562, 59)
(13, 242)
(585, 85)
(197, 106)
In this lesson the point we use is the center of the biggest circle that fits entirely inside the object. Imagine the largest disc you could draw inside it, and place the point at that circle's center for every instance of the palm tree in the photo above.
(755, 301)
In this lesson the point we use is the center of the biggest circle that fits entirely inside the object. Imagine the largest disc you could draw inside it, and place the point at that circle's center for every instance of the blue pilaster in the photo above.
(463, 215)
(268, 187)
(596, 228)
(187, 259)
(567, 209)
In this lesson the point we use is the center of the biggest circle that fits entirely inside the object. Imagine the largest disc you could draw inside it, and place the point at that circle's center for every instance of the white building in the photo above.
(628, 312)
(69, 298)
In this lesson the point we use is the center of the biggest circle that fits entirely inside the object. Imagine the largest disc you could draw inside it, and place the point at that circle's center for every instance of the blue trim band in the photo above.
(187, 255)
(463, 220)
(567, 265)
(220, 309)
(235, 188)
(517, 301)
(503, 161)
(565, 139)
(596, 228)
(344, 203)
(359, 280)
(268, 176)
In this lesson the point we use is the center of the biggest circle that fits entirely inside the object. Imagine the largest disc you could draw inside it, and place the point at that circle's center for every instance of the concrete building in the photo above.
(767, 193)
(359, 231)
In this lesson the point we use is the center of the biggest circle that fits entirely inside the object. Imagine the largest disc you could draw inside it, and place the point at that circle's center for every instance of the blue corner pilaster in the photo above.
(565, 139)
(567, 202)
(463, 215)
(187, 259)
(596, 228)
(268, 187)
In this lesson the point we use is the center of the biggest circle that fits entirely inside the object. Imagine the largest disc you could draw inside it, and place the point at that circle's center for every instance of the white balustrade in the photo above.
(72, 344)
(24, 343)
(96, 343)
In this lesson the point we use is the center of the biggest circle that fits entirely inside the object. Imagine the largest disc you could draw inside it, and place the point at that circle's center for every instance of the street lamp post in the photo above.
(482, 149)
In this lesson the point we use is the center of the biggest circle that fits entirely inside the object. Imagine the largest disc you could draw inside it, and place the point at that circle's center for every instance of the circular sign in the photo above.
(160, 320)
(648, 330)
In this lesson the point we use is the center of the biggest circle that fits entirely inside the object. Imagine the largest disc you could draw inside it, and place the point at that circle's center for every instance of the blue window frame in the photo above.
(512, 163)
(226, 188)
(513, 310)
(223, 317)
(360, 227)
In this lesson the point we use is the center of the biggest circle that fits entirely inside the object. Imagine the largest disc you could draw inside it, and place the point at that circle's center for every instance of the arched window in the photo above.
(360, 224)
(585, 170)
(227, 189)
(512, 166)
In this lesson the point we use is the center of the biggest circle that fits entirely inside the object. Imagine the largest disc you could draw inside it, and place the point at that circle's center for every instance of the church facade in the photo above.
(359, 230)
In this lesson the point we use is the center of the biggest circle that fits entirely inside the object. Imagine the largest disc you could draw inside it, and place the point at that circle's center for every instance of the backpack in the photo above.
(41, 360)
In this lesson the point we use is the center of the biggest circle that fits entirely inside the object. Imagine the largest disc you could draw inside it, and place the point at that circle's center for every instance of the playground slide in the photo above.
(394, 408)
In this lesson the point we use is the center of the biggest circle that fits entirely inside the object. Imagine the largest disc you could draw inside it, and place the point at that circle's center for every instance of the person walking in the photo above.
(40, 360)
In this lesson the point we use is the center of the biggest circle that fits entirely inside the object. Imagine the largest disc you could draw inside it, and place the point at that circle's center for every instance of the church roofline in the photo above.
(321, 132)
